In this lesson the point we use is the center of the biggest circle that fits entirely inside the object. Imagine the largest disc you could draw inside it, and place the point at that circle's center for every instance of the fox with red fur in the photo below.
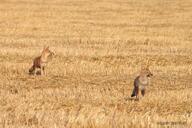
(40, 62)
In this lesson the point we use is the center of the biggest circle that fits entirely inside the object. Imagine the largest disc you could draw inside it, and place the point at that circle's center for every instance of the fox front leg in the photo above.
(143, 92)
(43, 70)
(35, 72)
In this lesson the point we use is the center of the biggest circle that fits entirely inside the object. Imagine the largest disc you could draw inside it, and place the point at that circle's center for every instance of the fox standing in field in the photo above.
(40, 62)
(141, 82)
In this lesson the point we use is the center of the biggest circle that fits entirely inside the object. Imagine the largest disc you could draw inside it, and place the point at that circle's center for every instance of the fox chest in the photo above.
(43, 64)
(143, 83)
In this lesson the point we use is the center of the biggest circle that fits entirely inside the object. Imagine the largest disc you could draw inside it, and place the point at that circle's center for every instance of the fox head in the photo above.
(47, 52)
(145, 71)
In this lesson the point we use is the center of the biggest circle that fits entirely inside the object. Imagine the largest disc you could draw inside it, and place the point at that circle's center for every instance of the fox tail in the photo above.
(31, 70)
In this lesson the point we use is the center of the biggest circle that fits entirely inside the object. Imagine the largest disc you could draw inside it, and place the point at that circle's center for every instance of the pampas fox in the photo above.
(141, 82)
(40, 62)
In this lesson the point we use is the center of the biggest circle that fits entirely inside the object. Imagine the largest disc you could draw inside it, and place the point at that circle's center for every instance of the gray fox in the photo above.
(141, 82)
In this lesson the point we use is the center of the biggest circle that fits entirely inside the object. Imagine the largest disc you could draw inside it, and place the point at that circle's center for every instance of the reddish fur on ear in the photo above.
(142, 67)
(46, 47)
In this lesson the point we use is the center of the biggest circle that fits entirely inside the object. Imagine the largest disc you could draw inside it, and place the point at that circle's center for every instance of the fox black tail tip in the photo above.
(132, 95)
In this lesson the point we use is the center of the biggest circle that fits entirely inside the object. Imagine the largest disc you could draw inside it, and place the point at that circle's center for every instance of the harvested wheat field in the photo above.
(99, 48)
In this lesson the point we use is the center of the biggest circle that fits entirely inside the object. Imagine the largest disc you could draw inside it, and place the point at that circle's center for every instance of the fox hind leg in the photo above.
(135, 92)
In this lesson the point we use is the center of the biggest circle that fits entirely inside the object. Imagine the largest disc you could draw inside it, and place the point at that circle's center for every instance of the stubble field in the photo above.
(100, 47)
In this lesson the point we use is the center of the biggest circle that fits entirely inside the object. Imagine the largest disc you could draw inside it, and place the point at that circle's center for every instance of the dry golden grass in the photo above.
(100, 46)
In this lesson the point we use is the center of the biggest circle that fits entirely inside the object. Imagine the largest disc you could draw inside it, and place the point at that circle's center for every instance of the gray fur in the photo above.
(141, 82)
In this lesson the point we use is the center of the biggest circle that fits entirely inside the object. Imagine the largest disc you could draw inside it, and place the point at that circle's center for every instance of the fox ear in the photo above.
(46, 47)
(142, 67)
